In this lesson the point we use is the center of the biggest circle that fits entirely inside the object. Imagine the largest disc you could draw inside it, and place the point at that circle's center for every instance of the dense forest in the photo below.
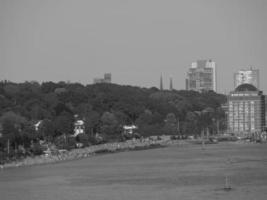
(105, 108)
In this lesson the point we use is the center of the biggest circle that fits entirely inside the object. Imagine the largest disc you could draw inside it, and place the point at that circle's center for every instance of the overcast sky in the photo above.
(137, 40)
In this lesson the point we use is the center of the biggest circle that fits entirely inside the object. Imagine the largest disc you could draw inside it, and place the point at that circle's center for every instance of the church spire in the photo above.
(161, 82)
(171, 87)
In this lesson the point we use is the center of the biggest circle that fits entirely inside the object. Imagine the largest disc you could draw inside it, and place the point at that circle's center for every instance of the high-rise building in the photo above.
(201, 76)
(249, 76)
(246, 110)
(106, 79)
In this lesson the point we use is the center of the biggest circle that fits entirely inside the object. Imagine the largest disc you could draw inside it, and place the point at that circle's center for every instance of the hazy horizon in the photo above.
(136, 41)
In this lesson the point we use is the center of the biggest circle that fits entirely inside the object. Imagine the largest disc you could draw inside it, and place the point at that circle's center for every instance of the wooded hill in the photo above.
(105, 108)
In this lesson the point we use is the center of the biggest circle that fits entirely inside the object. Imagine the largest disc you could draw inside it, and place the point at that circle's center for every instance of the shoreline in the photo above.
(74, 154)
(101, 149)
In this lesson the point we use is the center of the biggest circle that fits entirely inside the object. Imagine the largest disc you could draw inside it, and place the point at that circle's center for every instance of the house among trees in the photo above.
(78, 127)
(37, 125)
(129, 130)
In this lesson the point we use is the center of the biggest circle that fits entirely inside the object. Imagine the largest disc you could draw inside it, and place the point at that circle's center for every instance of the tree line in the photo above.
(105, 108)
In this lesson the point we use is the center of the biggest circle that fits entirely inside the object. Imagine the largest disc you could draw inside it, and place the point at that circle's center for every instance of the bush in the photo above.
(71, 143)
(83, 138)
(36, 149)
(148, 130)
(3, 157)
(65, 142)
(227, 138)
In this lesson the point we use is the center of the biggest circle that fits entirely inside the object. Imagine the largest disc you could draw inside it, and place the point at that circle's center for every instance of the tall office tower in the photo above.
(107, 77)
(201, 76)
(246, 110)
(161, 83)
(250, 76)
(171, 86)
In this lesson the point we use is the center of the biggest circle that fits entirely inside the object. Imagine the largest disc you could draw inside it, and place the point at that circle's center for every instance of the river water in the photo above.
(167, 173)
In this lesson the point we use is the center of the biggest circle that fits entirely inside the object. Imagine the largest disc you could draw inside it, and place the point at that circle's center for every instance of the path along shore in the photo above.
(92, 150)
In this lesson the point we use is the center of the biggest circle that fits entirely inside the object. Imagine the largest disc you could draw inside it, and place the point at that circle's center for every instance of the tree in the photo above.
(4, 104)
(122, 118)
(12, 125)
(48, 87)
(190, 125)
(36, 109)
(205, 117)
(62, 108)
(109, 125)
(11, 89)
(46, 129)
(144, 118)
(28, 134)
(150, 123)
(83, 109)
(64, 123)
(91, 117)
(170, 124)
(92, 122)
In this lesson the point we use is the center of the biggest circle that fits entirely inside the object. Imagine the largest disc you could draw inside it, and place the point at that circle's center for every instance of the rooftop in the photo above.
(246, 87)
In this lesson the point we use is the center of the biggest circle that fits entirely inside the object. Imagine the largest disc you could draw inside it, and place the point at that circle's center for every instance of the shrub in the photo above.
(83, 138)
(36, 149)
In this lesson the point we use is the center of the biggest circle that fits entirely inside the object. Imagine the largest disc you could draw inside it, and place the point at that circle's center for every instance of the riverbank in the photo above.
(73, 154)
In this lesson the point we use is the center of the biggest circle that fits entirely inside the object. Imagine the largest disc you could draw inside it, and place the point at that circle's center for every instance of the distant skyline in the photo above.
(137, 41)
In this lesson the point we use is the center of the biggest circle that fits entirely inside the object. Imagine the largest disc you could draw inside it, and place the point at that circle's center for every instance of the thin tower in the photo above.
(161, 82)
(171, 88)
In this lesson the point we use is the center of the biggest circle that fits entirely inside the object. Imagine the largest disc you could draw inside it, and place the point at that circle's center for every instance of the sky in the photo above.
(136, 41)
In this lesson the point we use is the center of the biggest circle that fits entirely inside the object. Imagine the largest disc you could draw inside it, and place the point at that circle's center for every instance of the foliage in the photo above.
(104, 108)
(46, 130)
(12, 125)
(65, 142)
(36, 149)
(64, 123)
(170, 127)
(110, 125)
(83, 138)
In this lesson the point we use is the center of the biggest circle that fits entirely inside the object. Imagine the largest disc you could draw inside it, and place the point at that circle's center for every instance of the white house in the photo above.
(37, 125)
(78, 127)
(129, 130)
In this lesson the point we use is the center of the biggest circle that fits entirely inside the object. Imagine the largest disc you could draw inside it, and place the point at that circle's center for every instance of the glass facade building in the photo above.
(250, 76)
(201, 76)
